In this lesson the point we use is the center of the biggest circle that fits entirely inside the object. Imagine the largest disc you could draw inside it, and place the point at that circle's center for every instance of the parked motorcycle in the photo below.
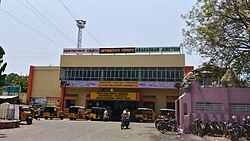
(247, 127)
(124, 122)
(197, 128)
(234, 129)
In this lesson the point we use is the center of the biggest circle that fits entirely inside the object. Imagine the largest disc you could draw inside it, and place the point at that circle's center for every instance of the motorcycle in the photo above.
(247, 127)
(124, 122)
(234, 129)
(166, 125)
(197, 128)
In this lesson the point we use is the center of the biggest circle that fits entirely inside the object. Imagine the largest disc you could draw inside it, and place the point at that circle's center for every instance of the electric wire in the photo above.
(95, 38)
(71, 13)
(74, 15)
(29, 27)
(52, 17)
(45, 20)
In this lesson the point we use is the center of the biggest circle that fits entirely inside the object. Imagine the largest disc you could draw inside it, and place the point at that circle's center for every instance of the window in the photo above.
(201, 106)
(237, 107)
(161, 74)
(185, 108)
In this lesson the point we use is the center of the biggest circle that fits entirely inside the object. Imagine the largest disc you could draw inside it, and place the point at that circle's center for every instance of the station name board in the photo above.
(116, 50)
(113, 95)
(121, 50)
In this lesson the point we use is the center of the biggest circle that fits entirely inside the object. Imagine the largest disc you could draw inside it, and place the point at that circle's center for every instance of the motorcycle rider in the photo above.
(126, 113)
(125, 118)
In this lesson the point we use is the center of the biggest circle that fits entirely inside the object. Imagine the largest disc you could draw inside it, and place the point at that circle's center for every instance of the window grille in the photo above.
(201, 106)
(236, 107)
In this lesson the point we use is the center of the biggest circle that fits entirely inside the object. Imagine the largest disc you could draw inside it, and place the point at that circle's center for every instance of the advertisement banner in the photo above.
(118, 84)
(38, 101)
(113, 95)
(88, 84)
(160, 85)
(53, 101)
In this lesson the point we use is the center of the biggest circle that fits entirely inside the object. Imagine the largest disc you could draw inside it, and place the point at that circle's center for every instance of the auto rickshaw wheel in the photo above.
(29, 121)
(61, 117)
(70, 118)
(87, 117)
(51, 118)
(141, 120)
(46, 118)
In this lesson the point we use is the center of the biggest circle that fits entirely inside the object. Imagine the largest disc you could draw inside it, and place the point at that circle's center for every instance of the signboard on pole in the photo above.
(11, 90)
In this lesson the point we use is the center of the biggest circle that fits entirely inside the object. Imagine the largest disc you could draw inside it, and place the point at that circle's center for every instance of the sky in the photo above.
(34, 32)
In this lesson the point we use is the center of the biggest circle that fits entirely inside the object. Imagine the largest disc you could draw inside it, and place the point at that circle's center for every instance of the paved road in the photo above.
(65, 130)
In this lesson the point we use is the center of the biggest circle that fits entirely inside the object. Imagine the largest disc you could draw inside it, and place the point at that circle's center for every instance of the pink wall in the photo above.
(210, 95)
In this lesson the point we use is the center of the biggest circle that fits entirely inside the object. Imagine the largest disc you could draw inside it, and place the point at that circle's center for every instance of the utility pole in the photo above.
(80, 24)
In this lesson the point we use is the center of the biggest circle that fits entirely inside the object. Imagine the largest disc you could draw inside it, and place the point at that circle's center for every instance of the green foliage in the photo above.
(209, 73)
(219, 30)
(15, 80)
(2, 67)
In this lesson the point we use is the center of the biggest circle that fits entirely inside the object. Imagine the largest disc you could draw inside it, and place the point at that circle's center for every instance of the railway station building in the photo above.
(117, 78)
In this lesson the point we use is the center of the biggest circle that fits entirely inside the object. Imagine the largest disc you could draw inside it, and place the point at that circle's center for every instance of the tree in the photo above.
(13, 79)
(2, 67)
(22, 81)
(220, 31)
(10, 78)
(207, 74)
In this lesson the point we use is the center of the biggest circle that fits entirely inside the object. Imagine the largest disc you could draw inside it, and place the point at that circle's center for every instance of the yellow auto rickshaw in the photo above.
(25, 114)
(167, 113)
(52, 112)
(144, 114)
(97, 113)
(77, 112)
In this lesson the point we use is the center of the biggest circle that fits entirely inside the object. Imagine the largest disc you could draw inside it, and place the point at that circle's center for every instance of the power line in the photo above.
(32, 29)
(73, 14)
(51, 16)
(30, 56)
(42, 17)
(95, 38)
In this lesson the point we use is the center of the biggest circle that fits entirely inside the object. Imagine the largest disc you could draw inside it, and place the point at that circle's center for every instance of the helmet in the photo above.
(234, 117)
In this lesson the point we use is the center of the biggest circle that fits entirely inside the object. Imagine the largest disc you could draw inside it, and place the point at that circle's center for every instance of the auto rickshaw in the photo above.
(167, 113)
(77, 112)
(52, 112)
(25, 114)
(144, 114)
(97, 113)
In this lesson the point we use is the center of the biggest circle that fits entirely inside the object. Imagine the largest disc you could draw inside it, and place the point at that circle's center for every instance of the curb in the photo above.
(9, 124)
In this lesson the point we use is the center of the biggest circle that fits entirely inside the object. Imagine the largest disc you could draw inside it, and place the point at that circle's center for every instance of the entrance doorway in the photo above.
(116, 107)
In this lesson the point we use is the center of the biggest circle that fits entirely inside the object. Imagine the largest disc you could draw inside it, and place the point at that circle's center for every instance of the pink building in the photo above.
(209, 103)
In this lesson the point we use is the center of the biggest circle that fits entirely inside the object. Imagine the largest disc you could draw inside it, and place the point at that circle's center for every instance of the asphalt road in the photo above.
(66, 130)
